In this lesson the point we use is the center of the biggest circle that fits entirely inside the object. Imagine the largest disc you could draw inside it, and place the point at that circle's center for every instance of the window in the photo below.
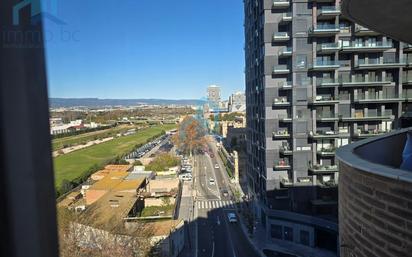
(288, 233)
(276, 231)
(304, 237)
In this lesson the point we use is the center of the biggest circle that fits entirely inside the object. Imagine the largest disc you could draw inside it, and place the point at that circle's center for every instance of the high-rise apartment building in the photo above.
(314, 81)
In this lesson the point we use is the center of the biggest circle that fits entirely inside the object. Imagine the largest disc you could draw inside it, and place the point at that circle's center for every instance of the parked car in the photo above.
(231, 216)
(185, 177)
(216, 166)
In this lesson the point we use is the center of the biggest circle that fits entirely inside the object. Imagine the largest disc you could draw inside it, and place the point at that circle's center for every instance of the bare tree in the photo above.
(75, 239)
(191, 135)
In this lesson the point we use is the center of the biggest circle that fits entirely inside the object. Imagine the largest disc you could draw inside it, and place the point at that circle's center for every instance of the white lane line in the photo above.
(213, 204)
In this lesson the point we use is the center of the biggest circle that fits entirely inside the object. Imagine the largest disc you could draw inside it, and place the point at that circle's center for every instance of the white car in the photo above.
(216, 166)
(231, 216)
(185, 177)
(212, 181)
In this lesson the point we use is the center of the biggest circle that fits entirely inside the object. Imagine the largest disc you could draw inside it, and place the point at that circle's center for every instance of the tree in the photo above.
(191, 135)
(75, 242)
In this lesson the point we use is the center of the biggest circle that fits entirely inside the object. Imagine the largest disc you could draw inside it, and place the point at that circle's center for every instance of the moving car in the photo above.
(212, 181)
(225, 193)
(216, 166)
(231, 216)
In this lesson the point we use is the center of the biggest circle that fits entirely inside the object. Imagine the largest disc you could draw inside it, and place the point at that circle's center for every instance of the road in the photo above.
(216, 237)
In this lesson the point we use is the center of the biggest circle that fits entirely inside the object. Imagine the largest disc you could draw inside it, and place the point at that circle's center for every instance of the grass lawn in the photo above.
(166, 210)
(59, 143)
(72, 165)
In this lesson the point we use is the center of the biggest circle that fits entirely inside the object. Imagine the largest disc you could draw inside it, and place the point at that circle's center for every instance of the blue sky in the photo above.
(145, 48)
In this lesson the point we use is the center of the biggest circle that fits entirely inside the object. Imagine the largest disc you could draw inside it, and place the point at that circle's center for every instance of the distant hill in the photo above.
(96, 102)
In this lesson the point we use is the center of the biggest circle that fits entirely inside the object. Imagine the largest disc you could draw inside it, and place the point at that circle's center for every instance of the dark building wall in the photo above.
(375, 214)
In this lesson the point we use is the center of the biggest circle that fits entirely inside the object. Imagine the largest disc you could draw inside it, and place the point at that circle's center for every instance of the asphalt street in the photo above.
(215, 235)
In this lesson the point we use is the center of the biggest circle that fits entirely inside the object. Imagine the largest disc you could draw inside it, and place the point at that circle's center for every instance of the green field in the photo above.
(73, 165)
(86, 137)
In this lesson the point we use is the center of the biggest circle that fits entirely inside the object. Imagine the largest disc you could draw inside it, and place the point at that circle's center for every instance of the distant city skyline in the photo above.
(137, 50)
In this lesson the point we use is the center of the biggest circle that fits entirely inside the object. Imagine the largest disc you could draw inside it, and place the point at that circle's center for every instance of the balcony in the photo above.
(281, 37)
(327, 135)
(285, 85)
(326, 152)
(328, 12)
(286, 182)
(326, 117)
(370, 47)
(286, 17)
(328, 47)
(361, 117)
(281, 134)
(364, 83)
(285, 52)
(303, 181)
(282, 164)
(285, 151)
(284, 118)
(327, 183)
(327, 82)
(280, 4)
(326, 65)
(323, 169)
(324, 30)
(362, 64)
(377, 100)
(281, 69)
(407, 47)
(362, 31)
(360, 134)
(281, 101)
(323, 100)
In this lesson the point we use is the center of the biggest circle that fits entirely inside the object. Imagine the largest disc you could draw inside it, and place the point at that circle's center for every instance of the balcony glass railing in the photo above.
(319, 167)
(328, 46)
(329, 9)
(325, 115)
(320, 27)
(282, 163)
(281, 35)
(320, 81)
(287, 16)
(321, 63)
(374, 132)
(379, 62)
(281, 69)
(284, 117)
(280, 100)
(285, 51)
(285, 84)
(368, 45)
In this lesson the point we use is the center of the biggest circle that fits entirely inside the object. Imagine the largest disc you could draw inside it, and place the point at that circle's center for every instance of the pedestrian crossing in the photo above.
(216, 204)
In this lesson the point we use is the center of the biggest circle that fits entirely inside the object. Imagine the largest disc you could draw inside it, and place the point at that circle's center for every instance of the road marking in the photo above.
(215, 204)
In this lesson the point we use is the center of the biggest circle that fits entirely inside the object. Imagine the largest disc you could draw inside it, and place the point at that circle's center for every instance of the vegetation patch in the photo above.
(76, 167)
(163, 162)
(164, 210)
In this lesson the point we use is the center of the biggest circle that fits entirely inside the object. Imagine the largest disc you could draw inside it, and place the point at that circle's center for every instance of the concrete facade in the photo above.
(315, 81)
